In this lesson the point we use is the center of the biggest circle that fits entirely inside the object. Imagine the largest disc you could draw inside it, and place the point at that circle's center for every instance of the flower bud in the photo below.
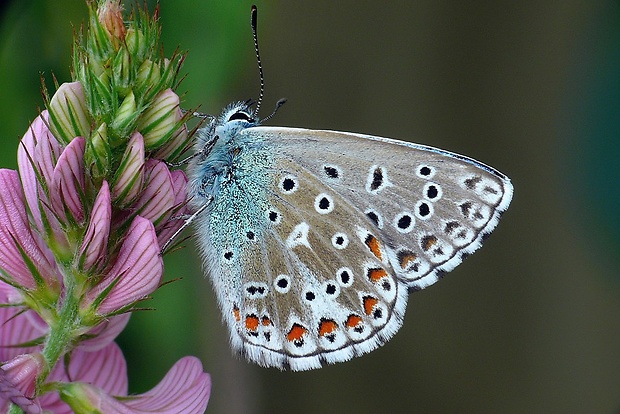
(136, 42)
(149, 74)
(18, 380)
(125, 118)
(69, 113)
(98, 153)
(161, 120)
(121, 65)
(129, 176)
(110, 14)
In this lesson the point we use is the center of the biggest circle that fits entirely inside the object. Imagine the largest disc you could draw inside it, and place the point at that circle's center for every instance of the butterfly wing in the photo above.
(342, 228)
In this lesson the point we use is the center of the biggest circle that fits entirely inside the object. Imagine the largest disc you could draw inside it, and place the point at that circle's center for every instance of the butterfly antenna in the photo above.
(260, 65)
(278, 106)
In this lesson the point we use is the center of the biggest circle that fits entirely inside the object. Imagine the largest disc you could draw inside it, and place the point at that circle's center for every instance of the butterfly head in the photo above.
(238, 116)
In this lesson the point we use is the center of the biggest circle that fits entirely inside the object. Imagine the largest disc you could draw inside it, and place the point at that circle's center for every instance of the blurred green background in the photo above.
(531, 323)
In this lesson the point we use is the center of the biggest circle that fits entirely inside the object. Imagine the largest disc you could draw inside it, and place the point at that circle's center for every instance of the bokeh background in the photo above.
(531, 323)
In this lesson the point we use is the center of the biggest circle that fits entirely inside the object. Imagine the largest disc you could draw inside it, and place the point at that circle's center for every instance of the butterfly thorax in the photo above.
(231, 177)
(221, 151)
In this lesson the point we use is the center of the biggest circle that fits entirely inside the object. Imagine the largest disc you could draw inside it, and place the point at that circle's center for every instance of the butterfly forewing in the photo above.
(428, 207)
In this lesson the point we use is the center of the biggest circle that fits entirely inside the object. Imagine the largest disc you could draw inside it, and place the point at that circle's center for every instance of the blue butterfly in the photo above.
(314, 239)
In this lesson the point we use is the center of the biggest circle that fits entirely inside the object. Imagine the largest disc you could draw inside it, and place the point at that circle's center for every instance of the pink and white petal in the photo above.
(157, 198)
(105, 369)
(67, 186)
(186, 388)
(104, 333)
(15, 228)
(180, 209)
(17, 380)
(175, 146)
(36, 157)
(138, 268)
(16, 329)
(95, 244)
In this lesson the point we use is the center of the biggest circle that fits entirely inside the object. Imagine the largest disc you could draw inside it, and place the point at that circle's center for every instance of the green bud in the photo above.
(68, 113)
(161, 119)
(98, 154)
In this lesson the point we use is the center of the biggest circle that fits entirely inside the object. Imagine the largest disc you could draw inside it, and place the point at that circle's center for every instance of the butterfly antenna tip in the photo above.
(260, 65)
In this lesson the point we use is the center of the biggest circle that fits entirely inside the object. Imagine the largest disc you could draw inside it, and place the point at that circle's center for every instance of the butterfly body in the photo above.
(314, 239)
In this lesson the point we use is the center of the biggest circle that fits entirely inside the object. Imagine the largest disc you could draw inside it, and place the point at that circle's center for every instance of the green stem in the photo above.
(14, 409)
(62, 333)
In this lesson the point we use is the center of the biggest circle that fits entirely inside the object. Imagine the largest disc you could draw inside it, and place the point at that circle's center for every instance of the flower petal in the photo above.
(105, 368)
(36, 158)
(104, 333)
(67, 186)
(14, 228)
(95, 244)
(16, 329)
(169, 227)
(184, 389)
(157, 198)
(137, 271)
(17, 380)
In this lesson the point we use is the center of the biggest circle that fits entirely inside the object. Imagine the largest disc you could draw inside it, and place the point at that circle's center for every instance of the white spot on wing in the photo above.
(299, 236)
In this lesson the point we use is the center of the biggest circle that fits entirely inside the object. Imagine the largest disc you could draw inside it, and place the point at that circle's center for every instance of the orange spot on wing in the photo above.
(353, 321)
(327, 326)
(428, 242)
(296, 333)
(376, 274)
(374, 246)
(236, 314)
(405, 259)
(266, 321)
(369, 304)
(251, 322)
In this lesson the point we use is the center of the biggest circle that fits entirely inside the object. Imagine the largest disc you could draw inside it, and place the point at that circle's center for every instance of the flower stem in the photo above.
(62, 332)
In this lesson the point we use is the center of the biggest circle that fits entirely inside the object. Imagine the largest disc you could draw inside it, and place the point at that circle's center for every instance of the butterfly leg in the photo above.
(188, 221)
(204, 150)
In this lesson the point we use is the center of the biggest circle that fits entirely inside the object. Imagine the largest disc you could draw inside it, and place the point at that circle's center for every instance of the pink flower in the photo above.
(95, 243)
(98, 381)
(185, 389)
(136, 272)
(81, 226)
(25, 261)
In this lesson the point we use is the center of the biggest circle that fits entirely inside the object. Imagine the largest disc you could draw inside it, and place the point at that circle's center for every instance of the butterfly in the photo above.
(313, 239)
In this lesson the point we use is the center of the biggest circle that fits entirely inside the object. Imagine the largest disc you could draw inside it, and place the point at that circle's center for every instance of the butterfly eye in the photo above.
(243, 116)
